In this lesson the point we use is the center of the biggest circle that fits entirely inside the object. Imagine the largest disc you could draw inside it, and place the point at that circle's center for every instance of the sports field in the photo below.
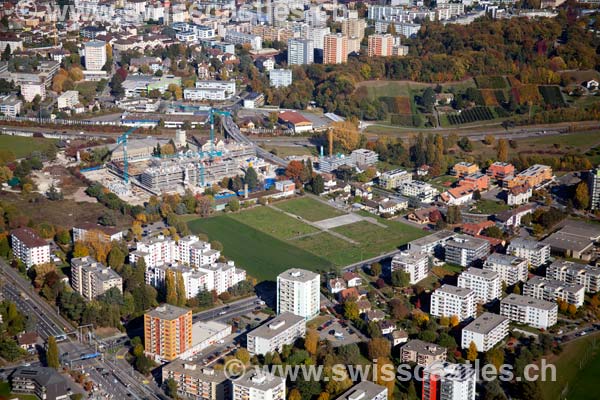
(266, 241)
(23, 146)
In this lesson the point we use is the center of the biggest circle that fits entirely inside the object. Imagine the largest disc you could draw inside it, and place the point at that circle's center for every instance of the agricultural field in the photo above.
(471, 115)
(266, 242)
(23, 146)
(552, 96)
(491, 82)
(398, 104)
(489, 97)
(309, 209)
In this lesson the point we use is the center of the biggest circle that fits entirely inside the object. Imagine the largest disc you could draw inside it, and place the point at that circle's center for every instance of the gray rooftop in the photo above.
(467, 242)
(553, 284)
(485, 323)
(298, 275)
(195, 370)
(433, 238)
(362, 391)
(575, 267)
(526, 301)
(255, 378)
(457, 291)
(527, 244)
(482, 273)
(277, 325)
(504, 259)
(167, 312)
(422, 347)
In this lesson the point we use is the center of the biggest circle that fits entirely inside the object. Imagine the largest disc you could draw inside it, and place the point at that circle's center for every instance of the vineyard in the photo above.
(471, 115)
(491, 82)
(552, 96)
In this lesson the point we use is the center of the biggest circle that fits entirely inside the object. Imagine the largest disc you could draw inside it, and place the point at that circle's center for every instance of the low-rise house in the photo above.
(424, 216)
(386, 327)
(87, 232)
(352, 279)
(423, 170)
(374, 315)
(363, 306)
(527, 310)
(474, 229)
(45, 383)
(512, 218)
(486, 331)
(422, 353)
(348, 294)
(552, 290)
(336, 285)
(398, 337)
(28, 341)
(458, 196)
(518, 195)
(511, 269)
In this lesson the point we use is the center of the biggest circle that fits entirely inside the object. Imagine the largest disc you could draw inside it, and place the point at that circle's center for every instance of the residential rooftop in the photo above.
(485, 323)
(277, 325)
(454, 290)
(482, 273)
(526, 301)
(362, 391)
(298, 275)
(167, 312)
(423, 347)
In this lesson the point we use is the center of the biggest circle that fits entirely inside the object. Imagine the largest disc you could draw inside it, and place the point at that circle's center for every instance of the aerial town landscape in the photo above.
(303, 200)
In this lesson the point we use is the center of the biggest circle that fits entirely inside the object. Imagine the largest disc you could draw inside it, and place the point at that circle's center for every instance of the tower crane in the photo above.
(122, 140)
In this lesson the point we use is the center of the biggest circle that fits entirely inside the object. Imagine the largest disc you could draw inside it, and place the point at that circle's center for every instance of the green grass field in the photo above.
(385, 88)
(309, 209)
(261, 255)
(580, 384)
(23, 146)
(266, 242)
(485, 206)
(5, 393)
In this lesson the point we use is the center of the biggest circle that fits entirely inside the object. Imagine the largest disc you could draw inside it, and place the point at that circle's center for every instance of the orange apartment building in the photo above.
(380, 45)
(167, 332)
(335, 49)
(464, 168)
(533, 176)
(499, 171)
(477, 181)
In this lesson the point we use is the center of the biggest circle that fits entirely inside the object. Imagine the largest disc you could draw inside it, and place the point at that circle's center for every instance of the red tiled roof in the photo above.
(293, 118)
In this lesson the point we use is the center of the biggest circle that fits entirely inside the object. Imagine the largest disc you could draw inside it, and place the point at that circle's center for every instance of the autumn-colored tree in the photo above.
(52, 359)
(58, 83)
(311, 342)
(502, 150)
(100, 248)
(40, 271)
(323, 396)
(489, 140)
(582, 196)
(75, 74)
(472, 352)
(572, 309)
(176, 91)
(80, 250)
(181, 294)
(346, 134)
(386, 375)
(454, 321)
(379, 347)
(243, 355)
(351, 310)
(294, 394)
(420, 317)
(495, 357)
(294, 170)
(171, 289)
(136, 229)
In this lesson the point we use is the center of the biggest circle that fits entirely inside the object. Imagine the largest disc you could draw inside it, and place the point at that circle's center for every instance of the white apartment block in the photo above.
(298, 292)
(420, 190)
(95, 55)
(552, 290)
(282, 330)
(485, 331)
(210, 90)
(395, 178)
(280, 77)
(365, 390)
(300, 51)
(416, 265)
(447, 381)
(317, 35)
(511, 269)
(91, 279)
(526, 310)
(433, 244)
(449, 300)
(258, 385)
(29, 247)
(485, 283)
(464, 250)
(234, 37)
(571, 272)
(10, 105)
(68, 99)
(536, 253)
(31, 89)
(155, 251)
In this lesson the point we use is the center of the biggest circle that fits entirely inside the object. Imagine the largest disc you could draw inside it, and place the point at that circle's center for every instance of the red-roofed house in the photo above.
(29, 247)
(296, 121)
(352, 279)
(347, 294)
(476, 229)
(458, 196)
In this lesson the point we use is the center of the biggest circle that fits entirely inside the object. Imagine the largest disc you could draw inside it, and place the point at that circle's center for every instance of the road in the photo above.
(49, 322)
(227, 311)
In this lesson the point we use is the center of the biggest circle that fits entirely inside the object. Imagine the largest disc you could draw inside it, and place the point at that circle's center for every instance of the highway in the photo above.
(124, 384)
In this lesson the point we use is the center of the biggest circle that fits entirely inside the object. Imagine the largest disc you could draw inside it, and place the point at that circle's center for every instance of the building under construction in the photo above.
(192, 169)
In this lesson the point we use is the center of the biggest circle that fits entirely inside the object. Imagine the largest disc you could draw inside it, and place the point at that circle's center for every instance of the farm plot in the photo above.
(489, 97)
(398, 104)
(552, 96)
(471, 115)
(491, 82)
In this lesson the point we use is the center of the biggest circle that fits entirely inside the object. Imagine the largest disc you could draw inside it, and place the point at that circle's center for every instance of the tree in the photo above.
(400, 278)
(398, 309)
(454, 215)
(52, 353)
(6, 53)
(411, 392)
(116, 258)
(465, 144)
(251, 178)
(495, 357)
(171, 388)
(472, 351)
(502, 150)
(171, 289)
(243, 355)
(311, 342)
(489, 140)
(351, 310)
(181, 293)
(379, 347)
(375, 269)
(234, 204)
(317, 184)
(295, 395)
(345, 134)
(428, 99)
(582, 196)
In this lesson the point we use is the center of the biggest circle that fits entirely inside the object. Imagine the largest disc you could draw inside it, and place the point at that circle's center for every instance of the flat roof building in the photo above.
(527, 310)
(485, 331)
(282, 330)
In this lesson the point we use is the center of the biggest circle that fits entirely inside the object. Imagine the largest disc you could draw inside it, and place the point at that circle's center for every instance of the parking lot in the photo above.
(338, 333)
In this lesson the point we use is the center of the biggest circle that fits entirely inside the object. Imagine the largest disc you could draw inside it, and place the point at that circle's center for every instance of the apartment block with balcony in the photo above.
(465, 250)
(448, 300)
(91, 279)
(197, 381)
(511, 269)
(259, 386)
(552, 290)
(536, 253)
(486, 331)
(282, 330)
(365, 390)
(485, 283)
(29, 247)
(167, 332)
(415, 264)
(446, 381)
(422, 353)
(527, 310)
(571, 272)
(298, 292)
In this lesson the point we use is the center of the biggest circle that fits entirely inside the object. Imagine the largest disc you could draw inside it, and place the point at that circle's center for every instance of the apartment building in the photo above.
(240, 38)
(167, 332)
(422, 191)
(536, 253)
(39, 382)
(29, 247)
(434, 244)
(300, 51)
(68, 99)
(196, 381)
(448, 300)
(518, 195)
(477, 181)
(258, 385)
(485, 331)
(193, 280)
(88, 231)
(395, 178)
(540, 314)
(282, 330)
(510, 269)
(571, 272)
(415, 264)
(534, 176)
(155, 251)
(31, 89)
(365, 390)
(298, 292)
(446, 381)
(485, 283)
(335, 49)
(91, 279)
(10, 105)
(280, 77)
(547, 289)
(95, 55)
(210, 90)
(464, 168)
(500, 171)
(422, 353)
(380, 45)
(464, 250)
(354, 27)
(593, 181)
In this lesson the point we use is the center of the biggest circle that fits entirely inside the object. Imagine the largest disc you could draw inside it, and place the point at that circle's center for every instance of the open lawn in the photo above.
(286, 151)
(577, 371)
(23, 146)
(485, 206)
(309, 209)
(385, 88)
(273, 222)
(261, 255)
(5, 393)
